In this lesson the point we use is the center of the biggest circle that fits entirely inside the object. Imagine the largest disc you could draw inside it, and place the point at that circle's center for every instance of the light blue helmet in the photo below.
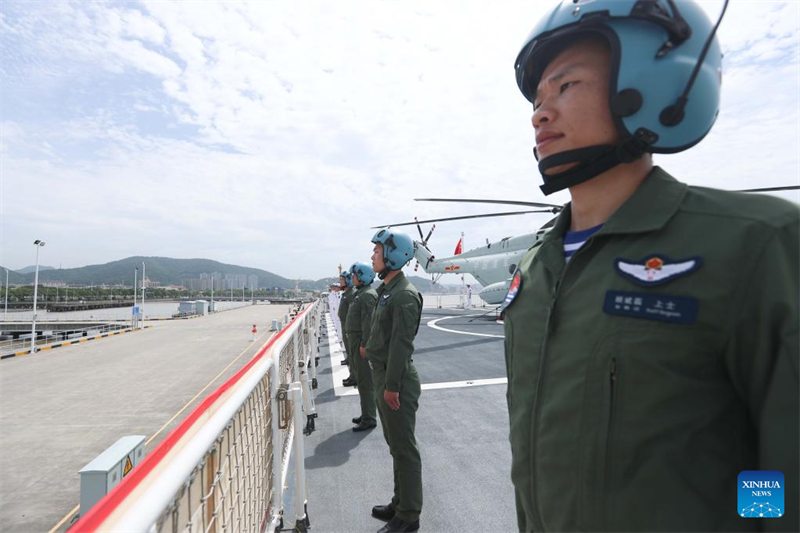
(363, 272)
(348, 278)
(398, 249)
(666, 72)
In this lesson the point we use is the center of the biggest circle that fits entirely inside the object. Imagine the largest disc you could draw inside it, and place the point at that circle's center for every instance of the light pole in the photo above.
(212, 292)
(144, 277)
(5, 313)
(38, 245)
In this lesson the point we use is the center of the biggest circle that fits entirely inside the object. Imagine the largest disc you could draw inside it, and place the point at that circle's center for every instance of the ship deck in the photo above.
(462, 433)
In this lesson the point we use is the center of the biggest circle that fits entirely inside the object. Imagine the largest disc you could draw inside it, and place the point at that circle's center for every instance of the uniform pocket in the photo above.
(658, 398)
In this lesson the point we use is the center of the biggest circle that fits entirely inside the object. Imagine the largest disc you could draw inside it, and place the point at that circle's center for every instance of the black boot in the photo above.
(357, 420)
(364, 427)
(397, 525)
(383, 512)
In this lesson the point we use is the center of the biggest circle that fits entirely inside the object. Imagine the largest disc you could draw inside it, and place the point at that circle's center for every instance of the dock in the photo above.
(61, 408)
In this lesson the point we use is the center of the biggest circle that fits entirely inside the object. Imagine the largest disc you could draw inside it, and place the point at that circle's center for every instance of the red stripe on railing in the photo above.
(102, 509)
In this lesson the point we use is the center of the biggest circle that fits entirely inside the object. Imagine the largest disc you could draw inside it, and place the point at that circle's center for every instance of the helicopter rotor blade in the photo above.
(462, 218)
(425, 242)
(484, 201)
(419, 229)
(769, 189)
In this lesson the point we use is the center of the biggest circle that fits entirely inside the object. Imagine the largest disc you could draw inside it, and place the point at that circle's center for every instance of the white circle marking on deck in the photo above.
(433, 324)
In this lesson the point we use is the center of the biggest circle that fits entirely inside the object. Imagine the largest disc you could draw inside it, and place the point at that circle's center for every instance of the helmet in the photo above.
(664, 88)
(348, 278)
(398, 249)
(363, 272)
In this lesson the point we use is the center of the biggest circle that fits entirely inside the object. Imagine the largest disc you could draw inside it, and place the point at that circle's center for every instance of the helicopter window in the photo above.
(512, 268)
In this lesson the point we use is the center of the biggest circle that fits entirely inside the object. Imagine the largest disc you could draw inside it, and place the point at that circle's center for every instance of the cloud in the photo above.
(275, 134)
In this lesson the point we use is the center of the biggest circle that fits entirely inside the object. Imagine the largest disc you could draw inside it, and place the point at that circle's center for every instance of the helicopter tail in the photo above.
(423, 256)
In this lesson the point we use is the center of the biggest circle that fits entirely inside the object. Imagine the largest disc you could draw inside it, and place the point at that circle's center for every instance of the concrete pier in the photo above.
(61, 408)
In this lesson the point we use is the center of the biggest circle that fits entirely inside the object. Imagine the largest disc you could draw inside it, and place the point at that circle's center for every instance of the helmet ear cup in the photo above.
(627, 102)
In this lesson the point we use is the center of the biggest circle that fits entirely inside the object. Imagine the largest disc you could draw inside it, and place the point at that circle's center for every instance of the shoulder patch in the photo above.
(513, 290)
(656, 269)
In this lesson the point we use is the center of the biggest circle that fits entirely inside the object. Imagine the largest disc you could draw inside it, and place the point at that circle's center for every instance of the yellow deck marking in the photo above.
(199, 393)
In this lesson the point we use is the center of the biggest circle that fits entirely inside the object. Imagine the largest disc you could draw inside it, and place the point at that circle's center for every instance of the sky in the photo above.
(275, 134)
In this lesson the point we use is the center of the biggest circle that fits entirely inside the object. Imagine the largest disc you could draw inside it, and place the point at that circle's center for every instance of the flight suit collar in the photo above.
(648, 209)
(392, 284)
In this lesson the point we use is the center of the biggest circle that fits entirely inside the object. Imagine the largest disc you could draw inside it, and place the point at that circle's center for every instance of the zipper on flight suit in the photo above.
(612, 382)
(550, 327)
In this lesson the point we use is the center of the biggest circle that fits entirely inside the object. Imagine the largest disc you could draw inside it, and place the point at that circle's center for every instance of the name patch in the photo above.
(661, 307)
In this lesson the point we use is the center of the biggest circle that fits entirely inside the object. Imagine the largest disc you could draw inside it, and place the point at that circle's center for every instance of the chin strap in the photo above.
(592, 161)
(383, 273)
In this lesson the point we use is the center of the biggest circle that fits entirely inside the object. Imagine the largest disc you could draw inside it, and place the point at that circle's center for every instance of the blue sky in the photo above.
(274, 134)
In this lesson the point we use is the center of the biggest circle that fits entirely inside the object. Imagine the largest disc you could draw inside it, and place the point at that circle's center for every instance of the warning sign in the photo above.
(128, 466)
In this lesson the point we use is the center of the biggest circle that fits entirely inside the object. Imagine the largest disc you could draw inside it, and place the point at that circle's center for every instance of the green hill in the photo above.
(164, 270)
(168, 271)
(14, 277)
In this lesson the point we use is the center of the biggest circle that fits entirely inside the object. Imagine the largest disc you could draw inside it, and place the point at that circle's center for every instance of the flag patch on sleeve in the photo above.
(513, 290)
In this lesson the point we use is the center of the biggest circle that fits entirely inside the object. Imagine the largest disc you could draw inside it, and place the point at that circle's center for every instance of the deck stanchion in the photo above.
(277, 460)
(301, 515)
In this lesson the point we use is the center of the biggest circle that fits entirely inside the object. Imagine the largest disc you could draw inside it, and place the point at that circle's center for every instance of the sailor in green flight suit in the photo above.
(346, 281)
(395, 323)
(359, 321)
(652, 338)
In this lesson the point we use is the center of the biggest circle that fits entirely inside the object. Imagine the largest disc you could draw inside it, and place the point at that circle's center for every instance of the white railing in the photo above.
(224, 467)
(56, 337)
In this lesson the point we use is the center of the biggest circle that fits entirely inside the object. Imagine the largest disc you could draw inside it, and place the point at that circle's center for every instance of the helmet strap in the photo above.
(383, 273)
(592, 161)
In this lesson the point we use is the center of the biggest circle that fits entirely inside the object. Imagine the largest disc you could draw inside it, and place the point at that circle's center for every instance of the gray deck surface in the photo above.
(61, 408)
(462, 435)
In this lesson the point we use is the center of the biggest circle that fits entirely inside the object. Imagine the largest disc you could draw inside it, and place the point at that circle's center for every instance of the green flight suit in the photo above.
(359, 320)
(344, 307)
(395, 323)
(637, 394)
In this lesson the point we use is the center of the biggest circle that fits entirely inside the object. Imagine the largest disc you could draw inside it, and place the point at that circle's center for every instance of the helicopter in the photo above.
(494, 263)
